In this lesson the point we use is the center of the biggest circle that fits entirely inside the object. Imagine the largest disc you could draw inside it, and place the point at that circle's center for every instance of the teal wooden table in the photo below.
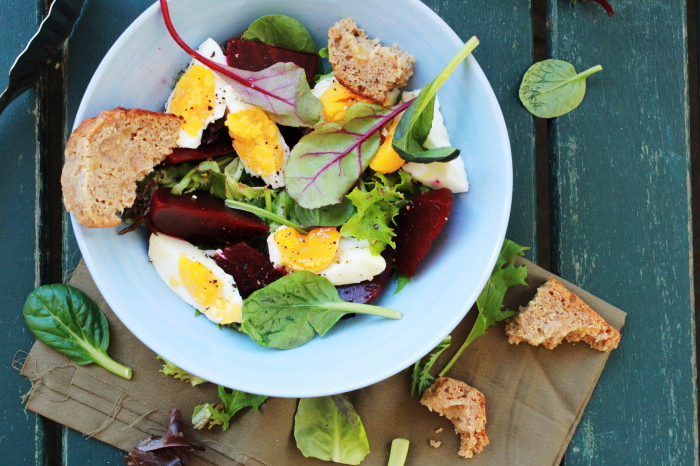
(602, 195)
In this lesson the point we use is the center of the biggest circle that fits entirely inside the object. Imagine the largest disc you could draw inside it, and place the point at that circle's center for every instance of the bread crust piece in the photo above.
(363, 65)
(465, 407)
(106, 156)
(556, 314)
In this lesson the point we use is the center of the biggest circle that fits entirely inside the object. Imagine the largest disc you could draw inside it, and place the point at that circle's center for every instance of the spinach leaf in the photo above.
(327, 216)
(490, 300)
(328, 428)
(421, 378)
(70, 322)
(551, 88)
(171, 369)
(209, 415)
(290, 311)
(280, 31)
(416, 122)
(327, 162)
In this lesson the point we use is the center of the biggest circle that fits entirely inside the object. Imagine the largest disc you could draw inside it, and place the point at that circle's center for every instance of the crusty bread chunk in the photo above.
(106, 156)
(465, 407)
(363, 65)
(556, 314)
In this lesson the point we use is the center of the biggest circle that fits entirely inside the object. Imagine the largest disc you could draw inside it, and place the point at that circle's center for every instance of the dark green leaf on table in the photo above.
(552, 88)
(220, 414)
(420, 377)
(416, 122)
(70, 322)
(329, 428)
(280, 31)
(292, 310)
(490, 301)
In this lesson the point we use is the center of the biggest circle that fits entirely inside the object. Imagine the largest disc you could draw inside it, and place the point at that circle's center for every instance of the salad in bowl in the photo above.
(282, 196)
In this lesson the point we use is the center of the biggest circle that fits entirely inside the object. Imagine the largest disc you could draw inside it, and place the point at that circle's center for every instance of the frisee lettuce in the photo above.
(171, 369)
(210, 415)
(420, 377)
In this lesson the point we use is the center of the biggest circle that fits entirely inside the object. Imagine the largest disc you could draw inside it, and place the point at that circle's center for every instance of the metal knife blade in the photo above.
(42, 48)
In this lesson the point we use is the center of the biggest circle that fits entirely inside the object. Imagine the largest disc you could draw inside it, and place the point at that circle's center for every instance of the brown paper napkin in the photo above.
(534, 397)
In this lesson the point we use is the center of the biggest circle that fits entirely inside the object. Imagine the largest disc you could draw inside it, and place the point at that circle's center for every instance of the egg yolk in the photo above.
(206, 289)
(193, 98)
(387, 160)
(313, 252)
(256, 140)
(337, 99)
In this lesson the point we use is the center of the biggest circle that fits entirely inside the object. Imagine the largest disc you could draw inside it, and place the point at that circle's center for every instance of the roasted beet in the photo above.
(250, 268)
(367, 291)
(220, 146)
(417, 226)
(253, 56)
(202, 218)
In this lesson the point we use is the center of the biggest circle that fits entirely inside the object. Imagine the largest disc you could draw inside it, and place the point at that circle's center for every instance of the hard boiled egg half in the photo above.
(196, 278)
(322, 251)
(199, 96)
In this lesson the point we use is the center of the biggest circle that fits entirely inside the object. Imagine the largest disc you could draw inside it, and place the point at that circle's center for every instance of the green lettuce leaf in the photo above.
(280, 31)
(421, 378)
(209, 415)
(171, 369)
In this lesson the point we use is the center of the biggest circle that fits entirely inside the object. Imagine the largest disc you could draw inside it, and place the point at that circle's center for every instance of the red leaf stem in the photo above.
(606, 5)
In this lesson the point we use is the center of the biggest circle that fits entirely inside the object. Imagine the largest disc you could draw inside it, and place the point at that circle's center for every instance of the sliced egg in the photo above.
(336, 98)
(196, 278)
(199, 96)
(257, 141)
(451, 175)
(348, 261)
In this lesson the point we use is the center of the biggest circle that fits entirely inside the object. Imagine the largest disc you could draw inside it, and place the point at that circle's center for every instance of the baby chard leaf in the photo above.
(327, 162)
(329, 428)
(70, 322)
(280, 31)
(415, 124)
(552, 88)
(292, 310)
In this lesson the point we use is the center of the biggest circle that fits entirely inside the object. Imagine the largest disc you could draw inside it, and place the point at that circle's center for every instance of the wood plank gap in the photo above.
(693, 16)
(52, 98)
(539, 35)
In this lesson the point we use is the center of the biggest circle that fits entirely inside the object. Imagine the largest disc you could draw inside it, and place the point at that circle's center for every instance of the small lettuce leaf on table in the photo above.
(292, 310)
(420, 377)
(280, 31)
(416, 122)
(376, 210)
(490, 301)
(181, 374)
(280, 90)
(329, 428)
(67, 320)
(552, 88)
(220, 414)
(327, 162)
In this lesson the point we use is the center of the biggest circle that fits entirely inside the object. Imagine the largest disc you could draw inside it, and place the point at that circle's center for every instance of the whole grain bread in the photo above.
(556, 314)
(106, 156)
(465, 407)
(363, 65)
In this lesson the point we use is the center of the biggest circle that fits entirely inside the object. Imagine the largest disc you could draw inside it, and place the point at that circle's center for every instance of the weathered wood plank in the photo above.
(621, 225)
(101, 23)
(19, 244)
(506, 50)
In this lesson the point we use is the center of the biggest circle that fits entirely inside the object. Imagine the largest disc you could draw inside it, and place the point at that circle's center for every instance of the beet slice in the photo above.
(367, 291)
(254, 56)
(221, 146)
(249, 267)
(202, 218)
(417, 226)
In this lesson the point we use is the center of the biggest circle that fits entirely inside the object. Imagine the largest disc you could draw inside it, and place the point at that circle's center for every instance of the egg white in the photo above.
(209, 49)
(451, 175)
(165, 253)
(353, 262)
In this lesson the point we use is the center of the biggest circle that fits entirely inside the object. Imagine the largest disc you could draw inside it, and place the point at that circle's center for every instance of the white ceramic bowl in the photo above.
(139, 71)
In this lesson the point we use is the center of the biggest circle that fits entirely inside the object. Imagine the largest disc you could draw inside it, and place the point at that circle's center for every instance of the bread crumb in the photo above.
(465, 407)
(435, 443)
(556, 314)
(439, 431)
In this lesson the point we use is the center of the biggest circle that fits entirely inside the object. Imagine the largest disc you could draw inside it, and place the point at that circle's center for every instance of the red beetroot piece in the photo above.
(220, 146)
(417, 226)
(367, 291)
(253, 56)
(250, 268)
(202, 218)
